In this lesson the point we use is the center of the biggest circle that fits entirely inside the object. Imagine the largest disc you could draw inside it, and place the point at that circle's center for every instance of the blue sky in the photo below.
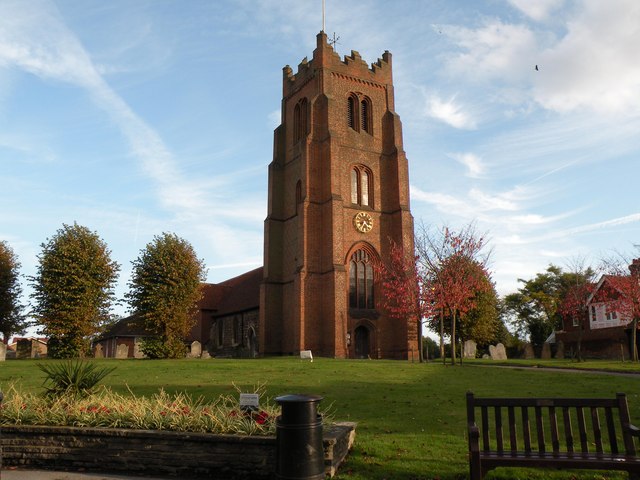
(136, 117)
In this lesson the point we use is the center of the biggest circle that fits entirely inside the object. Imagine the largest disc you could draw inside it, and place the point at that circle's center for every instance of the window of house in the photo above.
(361, 292)
(361, 186)
(576, 322)
(593, 313)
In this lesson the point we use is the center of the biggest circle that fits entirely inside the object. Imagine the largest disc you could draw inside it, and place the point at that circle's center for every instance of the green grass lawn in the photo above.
(411, 417)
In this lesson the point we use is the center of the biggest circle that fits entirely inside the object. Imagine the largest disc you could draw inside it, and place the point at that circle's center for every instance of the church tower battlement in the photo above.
(338, 192)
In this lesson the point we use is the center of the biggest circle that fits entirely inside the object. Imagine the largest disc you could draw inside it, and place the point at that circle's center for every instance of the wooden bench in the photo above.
(553, 421)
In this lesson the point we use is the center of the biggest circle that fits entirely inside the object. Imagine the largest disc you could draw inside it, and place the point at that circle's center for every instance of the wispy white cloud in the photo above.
(473, 163)
(539, 9)
(496, 50)
(449, 112)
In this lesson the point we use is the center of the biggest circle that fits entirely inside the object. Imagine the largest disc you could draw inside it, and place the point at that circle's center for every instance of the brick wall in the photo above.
(146, 452)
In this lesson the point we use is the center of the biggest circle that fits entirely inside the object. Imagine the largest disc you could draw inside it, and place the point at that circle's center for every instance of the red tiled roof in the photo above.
(241, 293)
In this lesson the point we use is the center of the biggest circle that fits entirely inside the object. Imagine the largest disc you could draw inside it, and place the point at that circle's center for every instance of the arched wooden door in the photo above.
(363, 342)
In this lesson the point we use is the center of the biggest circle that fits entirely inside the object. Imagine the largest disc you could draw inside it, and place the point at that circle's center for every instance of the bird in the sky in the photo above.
(537, 69)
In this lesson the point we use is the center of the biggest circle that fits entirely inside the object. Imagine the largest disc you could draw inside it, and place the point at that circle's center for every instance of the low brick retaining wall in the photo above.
(157, 452)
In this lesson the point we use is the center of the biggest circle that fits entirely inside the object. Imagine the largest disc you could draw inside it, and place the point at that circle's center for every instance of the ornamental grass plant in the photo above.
(161, 411)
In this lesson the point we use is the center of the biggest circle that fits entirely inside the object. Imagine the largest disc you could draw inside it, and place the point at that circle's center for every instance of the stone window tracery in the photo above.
(361, 186)
(361, 279)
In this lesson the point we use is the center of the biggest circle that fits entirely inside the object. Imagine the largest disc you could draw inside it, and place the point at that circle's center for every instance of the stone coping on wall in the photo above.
(157, 452)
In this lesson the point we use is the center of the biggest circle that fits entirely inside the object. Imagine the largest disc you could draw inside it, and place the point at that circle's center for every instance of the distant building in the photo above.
(604, 331)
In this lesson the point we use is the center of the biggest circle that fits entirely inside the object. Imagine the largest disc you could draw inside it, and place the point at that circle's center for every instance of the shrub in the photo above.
(159, 347)
(72, 378)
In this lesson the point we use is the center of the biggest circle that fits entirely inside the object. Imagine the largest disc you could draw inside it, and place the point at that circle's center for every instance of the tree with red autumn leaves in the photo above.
(624, 295)
(453, 267)
(579, 288)
(403, 288)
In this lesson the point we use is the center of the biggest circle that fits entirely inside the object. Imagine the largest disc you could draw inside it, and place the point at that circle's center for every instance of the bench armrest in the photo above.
(635, 431)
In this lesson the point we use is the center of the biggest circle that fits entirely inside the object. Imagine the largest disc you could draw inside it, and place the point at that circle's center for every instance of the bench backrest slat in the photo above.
(624, 419)
(582, 429)
(540, 429)
(513, 436)
(498, 419)
(597, 433)
(553, 425)
(611, 428)
(568, 431)
(485, 429)
(526, 430)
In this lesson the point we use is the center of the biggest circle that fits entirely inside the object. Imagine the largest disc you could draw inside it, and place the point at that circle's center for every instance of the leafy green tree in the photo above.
(535, 309)
(12, 320)
(73, 289)
(164, 291)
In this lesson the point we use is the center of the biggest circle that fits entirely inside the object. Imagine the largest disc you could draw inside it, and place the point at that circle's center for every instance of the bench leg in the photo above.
(475, 469)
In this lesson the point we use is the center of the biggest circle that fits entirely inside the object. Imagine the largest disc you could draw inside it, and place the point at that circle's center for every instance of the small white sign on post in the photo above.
(306, 354)
(249, 401)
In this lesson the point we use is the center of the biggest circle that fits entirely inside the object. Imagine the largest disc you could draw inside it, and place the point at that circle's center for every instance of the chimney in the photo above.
(634, 268)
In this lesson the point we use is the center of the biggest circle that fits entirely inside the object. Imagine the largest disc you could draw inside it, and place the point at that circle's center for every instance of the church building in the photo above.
(338, 195)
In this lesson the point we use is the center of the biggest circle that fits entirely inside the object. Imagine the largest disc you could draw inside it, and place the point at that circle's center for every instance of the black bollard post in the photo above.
(300, 454)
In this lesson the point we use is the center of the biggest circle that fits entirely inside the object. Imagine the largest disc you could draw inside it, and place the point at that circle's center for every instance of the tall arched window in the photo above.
(361, 293)
(365, 115)
(352, 112)
(300, 122)
(359, 113)
(361, 186)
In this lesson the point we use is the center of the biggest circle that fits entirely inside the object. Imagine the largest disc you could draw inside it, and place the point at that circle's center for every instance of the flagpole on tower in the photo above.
(323, 15)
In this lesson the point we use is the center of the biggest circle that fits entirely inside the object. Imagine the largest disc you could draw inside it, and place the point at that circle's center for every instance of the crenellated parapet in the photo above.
(352, 66)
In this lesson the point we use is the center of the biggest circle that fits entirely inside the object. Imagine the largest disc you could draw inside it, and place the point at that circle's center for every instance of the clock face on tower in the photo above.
(363, 222)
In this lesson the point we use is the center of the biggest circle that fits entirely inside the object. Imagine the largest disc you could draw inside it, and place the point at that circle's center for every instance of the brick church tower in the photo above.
(338, 191)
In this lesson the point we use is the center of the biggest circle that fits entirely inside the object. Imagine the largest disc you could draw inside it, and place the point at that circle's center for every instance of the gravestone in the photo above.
(560, 349)
(546, 351)
(137, 352)
(306, 355)
(529, 354)
(485, 356)
(196, 349)
(469, 349)
(205, 355)
(3, 351)
(122, 351)
(98, 353)
(497, 352)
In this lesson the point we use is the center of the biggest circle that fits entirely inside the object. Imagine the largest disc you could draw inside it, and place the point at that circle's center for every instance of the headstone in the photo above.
(196, 349)
(306, 354)
(205, 355)
(3, 351)
(560, 349)
(137, 351)
(485, 356)
(98, 353)
(469, 349)
(497, 352)
(122, 351)
(546, 351)
(529, 354)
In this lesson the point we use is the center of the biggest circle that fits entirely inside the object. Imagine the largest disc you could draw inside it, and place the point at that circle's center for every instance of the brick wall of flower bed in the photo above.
(147, 452)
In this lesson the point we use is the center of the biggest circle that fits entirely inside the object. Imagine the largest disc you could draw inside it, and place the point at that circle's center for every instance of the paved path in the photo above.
(19, 474)
(563, 369)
